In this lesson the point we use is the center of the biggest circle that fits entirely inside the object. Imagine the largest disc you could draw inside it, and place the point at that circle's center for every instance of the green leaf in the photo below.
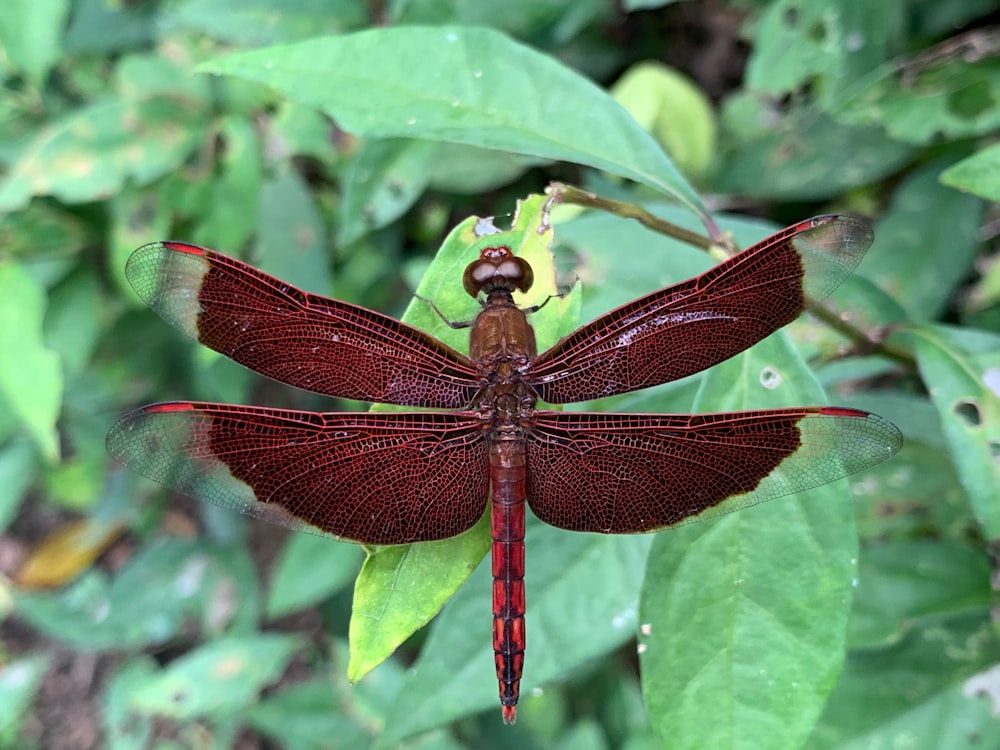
(137, 215)
(292, 243)
(151, 600)
(297, 582)
(31, 380)
(98, 26)
(818, 44)
(977, 174)
(381, 182)
(467, 169)
(229, 219)
(215, 679)
(946, 98)
(745, 616)
(18, 463)
(30, 33)
(801, 155)
(256, 23)
(925, 243)
(430, 573)
(89, 154)
(72, 323)
(443, 84)
(19, 679)
(904, 582)
(962, 371)
(922, 693)
(919, 488)
(400, 589)
(127, 729)
(308, 716)
(673, 109)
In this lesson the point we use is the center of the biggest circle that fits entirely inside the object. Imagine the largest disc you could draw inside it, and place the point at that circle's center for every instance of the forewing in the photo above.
(628, 473)
(688, 327)
(370, 478)
(302, 339)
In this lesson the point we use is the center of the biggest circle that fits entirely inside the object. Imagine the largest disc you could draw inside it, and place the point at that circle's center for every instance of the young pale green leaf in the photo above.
(978, 174)
(962, 371)
(743, 618)
(465, 85)
(31, 381)
(400, 589)
(674, 110)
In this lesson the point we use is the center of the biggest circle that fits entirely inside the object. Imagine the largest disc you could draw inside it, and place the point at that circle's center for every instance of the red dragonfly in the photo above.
(396, 478)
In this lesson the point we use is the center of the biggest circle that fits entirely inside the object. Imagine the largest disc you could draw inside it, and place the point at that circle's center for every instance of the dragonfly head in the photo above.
(497, 268)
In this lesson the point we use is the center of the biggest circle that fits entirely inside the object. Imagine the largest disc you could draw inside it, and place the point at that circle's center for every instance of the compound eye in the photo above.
(497, 268)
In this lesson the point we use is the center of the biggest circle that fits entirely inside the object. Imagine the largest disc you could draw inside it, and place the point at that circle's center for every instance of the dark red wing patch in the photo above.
(691, 326)
(627, 473)
(305, 340)
(371, 478)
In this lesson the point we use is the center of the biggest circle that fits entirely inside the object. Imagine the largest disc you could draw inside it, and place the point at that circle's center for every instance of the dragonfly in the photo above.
(406, 477)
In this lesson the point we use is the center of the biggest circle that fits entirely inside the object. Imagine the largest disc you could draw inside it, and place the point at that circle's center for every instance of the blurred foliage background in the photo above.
(335, 149)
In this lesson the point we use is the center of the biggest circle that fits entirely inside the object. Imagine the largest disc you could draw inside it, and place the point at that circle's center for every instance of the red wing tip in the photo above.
(843, 411)
(509, 714)
(169, 406)
(183, 247)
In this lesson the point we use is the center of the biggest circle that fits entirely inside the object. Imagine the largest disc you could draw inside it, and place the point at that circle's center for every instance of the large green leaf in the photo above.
(31, 380)
(800, 154)
(384, 178)
(465, 85)
(745, 617)
(150, 601)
